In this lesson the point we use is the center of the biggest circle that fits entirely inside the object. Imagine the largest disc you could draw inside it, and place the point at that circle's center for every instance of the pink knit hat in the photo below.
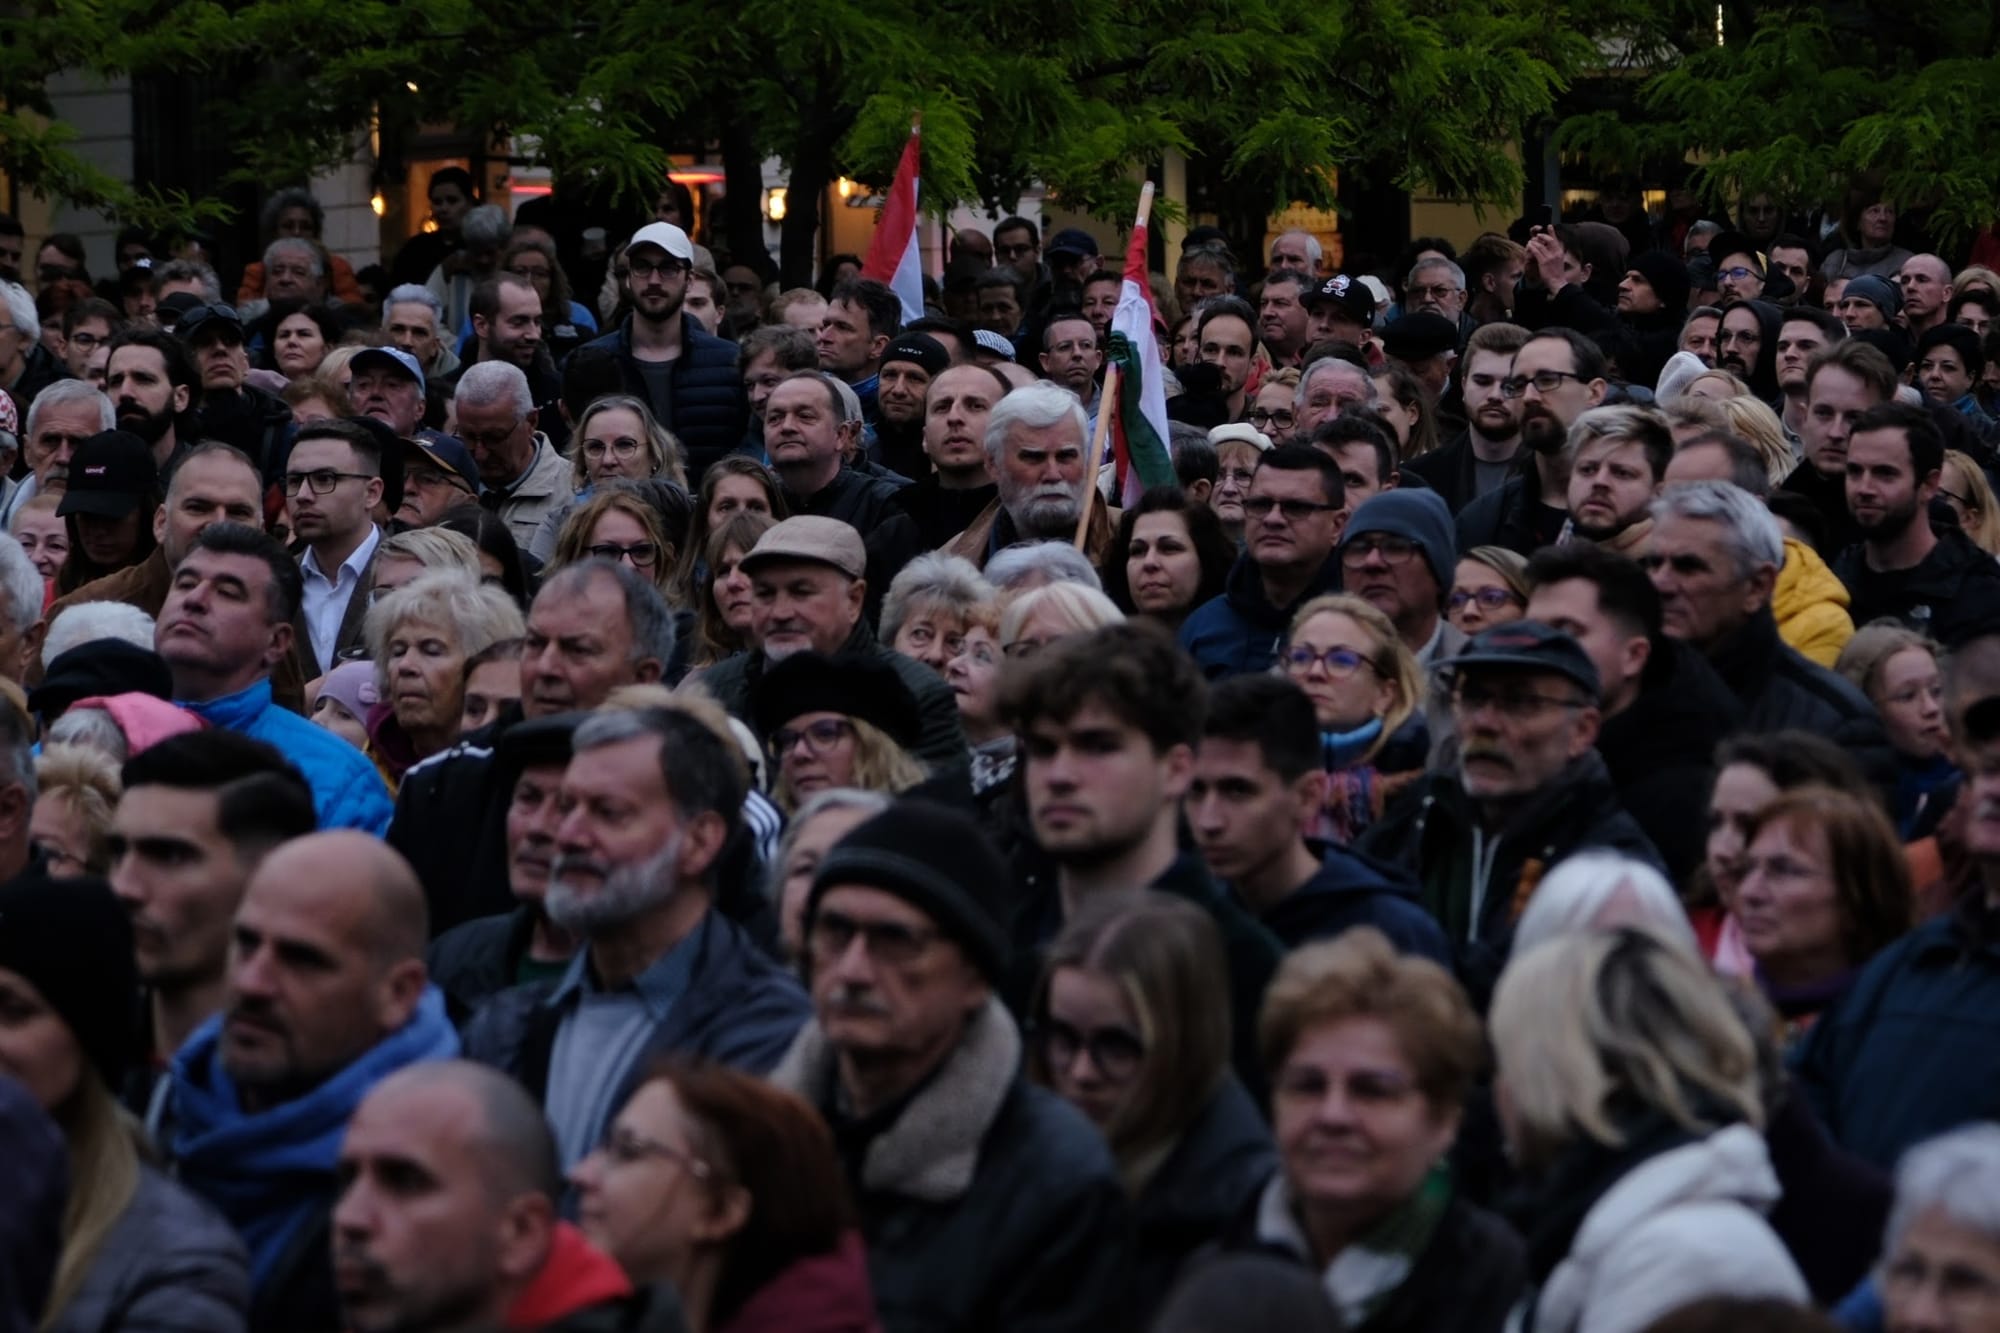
(146, 721)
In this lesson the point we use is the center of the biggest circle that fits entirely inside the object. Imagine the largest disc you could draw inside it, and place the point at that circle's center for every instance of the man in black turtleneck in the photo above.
(958, 484)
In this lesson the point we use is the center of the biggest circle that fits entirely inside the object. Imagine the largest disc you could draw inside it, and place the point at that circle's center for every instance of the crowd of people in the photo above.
(552, 790)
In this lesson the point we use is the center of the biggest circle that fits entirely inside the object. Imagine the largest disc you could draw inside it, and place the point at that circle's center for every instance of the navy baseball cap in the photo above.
(1528, 645)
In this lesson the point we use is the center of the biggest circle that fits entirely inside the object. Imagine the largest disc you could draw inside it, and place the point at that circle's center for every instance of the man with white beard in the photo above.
(650, 798)
(1037, 444)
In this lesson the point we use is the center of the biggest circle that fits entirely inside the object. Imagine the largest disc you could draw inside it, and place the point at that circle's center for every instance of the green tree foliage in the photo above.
(1806, 100)
(1076, 95)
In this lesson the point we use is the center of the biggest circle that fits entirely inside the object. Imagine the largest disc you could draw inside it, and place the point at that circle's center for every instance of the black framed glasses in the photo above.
(1392, 550)
(893, 943)
(1489, 599)
(1117, 1052)
(646, 268)
(321, 480)
(1515, 705)
(1282, 417)
(1737, 272)
(639, 553)
(1340, 663)
(1296, 511)
(819, 736)
(1545, 381)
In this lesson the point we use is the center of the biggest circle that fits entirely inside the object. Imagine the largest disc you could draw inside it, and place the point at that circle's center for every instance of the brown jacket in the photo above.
(978, 542)
(145, 585)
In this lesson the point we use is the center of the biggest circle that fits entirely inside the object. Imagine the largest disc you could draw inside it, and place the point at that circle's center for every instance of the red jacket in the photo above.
(821, 1293)
(577, 1275)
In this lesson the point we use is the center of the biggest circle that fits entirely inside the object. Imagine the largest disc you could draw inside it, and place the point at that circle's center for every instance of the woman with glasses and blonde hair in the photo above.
(1040, 616)
(1962, 484)
(1122, 1028)
(731, 1191)
(1367, 695)
(1371, 1055)
(842, 721)
(1629, 1094)
(1489, 587)
(616, 436)
(618, 524)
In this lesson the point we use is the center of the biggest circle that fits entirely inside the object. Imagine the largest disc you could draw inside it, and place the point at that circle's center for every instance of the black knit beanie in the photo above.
(72, 940)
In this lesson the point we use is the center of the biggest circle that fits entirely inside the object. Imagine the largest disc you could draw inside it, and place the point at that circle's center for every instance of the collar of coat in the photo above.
(932, 1150)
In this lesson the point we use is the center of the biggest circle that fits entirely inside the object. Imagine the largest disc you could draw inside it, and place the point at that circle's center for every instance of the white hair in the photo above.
(1036, 406)
(1435, 261)
(1038, 564)
(489, 382)
(485, 226)
(1599, 890)
(21, 309)
(67, 393)
(23, 583)
(296, 245)
(88, 622)
(1957, 1174)
(870, 803)
(91, 729)
(1313, 248)
(1320, 367)
(414, 293)
(1753, 536)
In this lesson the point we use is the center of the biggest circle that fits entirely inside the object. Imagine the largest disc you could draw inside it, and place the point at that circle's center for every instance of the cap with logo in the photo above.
(1528, 645)
(388, 358)
(111, 474)
(665, 235)
(919, 349)
(446, 453)
(1347, 294)
(822, 541)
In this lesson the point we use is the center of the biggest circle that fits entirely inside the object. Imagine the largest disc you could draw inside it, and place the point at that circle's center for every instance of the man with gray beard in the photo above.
(649, 799)
(1037, 446)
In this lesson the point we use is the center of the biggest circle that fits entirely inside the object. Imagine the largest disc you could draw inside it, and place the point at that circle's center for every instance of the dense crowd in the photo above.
(554, 786)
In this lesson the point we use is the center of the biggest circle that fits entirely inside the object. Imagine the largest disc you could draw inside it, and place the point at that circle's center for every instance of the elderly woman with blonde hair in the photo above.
(77, 791)
(1629, 1093)
(419, 638)
(1037, 618)
(925, 613)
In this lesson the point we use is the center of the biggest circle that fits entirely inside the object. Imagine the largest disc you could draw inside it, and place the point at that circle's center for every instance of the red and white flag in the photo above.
(1139, 432)
(893, 256)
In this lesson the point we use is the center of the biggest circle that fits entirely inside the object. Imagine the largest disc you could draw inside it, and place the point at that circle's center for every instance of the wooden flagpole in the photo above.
(1107, 403)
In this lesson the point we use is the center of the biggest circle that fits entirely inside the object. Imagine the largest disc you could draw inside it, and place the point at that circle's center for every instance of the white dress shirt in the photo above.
(325, 601)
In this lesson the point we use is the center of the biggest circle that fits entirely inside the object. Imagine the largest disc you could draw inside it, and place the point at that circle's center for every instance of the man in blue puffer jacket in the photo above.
(327, 996)
(226, 623)
(685, 374)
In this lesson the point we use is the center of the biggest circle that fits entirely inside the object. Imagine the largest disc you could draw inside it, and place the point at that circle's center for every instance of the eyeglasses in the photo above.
(86, 340)
(1778, 867)
(322, 481)
(1437, 293)
(616, 448)
(1515, 705)
(891, 943)
(1738, 272)
(1545, 381)
(1116, 1052)
(1392, 550)
(1295, 511)
(626, 1148)
(1489, 599)
(428, 476)
(1340, 663)
(819, 737)
(646, 268)
(640, 553)
(1259, 417)
(491, 439)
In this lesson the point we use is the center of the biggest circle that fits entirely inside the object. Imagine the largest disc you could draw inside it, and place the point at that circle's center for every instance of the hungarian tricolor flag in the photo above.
(1139, 417)
(893, 256)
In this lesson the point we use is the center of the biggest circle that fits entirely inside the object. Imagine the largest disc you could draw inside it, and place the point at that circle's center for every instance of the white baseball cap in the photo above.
(668, 237)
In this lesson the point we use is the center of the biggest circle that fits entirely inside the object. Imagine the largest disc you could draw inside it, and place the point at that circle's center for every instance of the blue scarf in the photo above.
(273, 1172)
(1344, 749)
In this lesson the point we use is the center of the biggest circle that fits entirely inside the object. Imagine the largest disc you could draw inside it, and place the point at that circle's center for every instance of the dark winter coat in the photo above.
(1660, 751)
(169, 1263)
(1450, 470)
(258, 423)
(1952, 595)
(1834, 1206)
(1513, 517)
(1829, 498)
(1238, 632)
(1351, 890)
(1909, 1051)
(1433, 831)
(987, 1204)
(465, 875)
(708, 412)
(1780, 690)
(1221, 1159)
(941, 514)
(476, 960)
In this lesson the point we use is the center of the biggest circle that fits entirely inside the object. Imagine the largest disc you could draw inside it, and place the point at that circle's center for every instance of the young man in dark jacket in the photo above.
(1939, 583)
(987, 1203)
(1528, 789)
(1256, 793)
(686, 375)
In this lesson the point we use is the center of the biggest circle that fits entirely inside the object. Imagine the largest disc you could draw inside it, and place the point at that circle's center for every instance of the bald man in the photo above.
(447, 1218)
(327, 996)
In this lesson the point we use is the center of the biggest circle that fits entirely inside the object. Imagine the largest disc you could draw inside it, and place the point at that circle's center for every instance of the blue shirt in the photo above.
(600, 1037)
(347, 791)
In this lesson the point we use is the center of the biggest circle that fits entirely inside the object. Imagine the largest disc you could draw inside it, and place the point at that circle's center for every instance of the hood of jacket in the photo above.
(575, 1276)
(1810, 603)
(931, 1152)
(1731, 1165)
(268, 1171)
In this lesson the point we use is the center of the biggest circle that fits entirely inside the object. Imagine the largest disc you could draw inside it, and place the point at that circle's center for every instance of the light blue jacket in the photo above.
(347, 791)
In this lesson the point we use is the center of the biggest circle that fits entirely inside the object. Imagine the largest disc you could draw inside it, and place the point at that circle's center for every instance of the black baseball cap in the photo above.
(1356, 302)
(1072, 241)
(208, 319)
(1419, 336)
(111, 474)
(1529, 645)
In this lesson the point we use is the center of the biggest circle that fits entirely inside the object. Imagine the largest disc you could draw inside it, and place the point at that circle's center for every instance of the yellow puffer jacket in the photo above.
(1811, 605)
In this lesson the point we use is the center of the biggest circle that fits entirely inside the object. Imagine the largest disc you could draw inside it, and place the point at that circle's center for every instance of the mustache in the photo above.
(856, 1001)
(567, 864)
(1496, 753)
